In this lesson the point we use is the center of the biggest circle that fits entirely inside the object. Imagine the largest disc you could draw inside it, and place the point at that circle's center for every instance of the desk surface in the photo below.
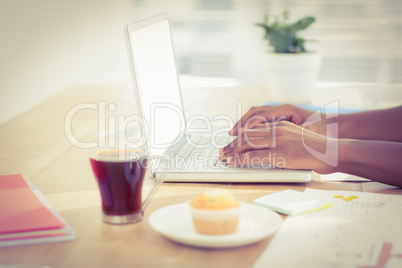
(35, 145)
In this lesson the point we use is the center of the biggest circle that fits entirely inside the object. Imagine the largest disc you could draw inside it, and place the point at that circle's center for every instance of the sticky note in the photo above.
(292, 202)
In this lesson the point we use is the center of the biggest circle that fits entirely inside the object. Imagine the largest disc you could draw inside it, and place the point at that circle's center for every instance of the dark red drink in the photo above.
(120, 184)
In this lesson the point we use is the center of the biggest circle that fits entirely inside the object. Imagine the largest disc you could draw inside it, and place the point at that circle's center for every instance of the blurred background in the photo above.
(48, 46)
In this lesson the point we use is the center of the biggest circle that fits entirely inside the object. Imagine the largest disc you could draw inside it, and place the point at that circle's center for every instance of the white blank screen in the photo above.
(157, 83)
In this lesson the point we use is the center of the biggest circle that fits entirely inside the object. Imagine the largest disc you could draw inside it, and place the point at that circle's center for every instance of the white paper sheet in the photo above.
(360, 230)
(339, 176)
(292, 202)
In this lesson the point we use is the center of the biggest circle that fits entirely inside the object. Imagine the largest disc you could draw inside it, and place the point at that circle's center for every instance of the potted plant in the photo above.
(291, 69)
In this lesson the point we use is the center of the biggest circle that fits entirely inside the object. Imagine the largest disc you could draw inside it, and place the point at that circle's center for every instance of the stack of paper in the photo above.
(25, 215)
(360, 230)
(292, 203)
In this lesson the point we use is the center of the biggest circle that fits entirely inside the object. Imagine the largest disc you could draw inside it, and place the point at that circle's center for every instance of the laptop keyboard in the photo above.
(202, 150)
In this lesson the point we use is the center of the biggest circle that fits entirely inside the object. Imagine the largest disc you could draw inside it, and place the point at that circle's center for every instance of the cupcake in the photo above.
(215, 212)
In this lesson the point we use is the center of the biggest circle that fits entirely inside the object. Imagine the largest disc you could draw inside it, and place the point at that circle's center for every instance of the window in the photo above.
(359, 39)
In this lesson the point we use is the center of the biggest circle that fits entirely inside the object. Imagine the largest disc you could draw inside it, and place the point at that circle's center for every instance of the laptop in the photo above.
(194, 156)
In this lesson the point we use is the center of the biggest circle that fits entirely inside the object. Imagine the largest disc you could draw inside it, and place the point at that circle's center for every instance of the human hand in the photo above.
(282, 145)
(284, 112)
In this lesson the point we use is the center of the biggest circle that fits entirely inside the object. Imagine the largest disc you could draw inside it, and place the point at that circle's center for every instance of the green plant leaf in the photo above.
(300, 41)
(299, 44)
(266, 19)
(266, 28)
(286, 15)
(301, 24)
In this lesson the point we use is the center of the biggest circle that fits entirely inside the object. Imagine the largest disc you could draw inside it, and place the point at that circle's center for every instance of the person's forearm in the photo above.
(377, 160)
(383, 125)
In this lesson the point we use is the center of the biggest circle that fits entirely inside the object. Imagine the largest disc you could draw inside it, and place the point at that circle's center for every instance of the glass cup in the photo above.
(120, 175)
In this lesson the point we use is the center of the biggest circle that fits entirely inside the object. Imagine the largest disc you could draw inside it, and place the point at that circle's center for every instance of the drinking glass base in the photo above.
(123, 219)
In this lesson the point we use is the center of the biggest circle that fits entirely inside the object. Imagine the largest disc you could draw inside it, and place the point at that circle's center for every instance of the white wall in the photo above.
(47, 46)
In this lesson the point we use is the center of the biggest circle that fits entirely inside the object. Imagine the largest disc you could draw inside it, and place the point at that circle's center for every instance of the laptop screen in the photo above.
(157, 84)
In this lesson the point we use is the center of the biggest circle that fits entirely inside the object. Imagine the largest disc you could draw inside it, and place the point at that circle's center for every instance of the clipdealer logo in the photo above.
(330, 156)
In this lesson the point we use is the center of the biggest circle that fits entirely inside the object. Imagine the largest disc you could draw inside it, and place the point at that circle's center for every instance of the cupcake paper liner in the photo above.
(216, 222)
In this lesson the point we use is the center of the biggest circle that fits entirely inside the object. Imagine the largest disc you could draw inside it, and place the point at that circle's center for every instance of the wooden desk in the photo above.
(34, 144)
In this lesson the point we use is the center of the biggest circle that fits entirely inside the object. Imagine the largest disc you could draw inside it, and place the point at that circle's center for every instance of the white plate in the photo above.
(175, 223)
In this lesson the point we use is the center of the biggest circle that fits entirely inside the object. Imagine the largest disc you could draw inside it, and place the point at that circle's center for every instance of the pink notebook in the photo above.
(21, 210)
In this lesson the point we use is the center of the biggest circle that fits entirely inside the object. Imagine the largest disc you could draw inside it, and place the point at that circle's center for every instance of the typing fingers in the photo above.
(248, 120)
(252, 139)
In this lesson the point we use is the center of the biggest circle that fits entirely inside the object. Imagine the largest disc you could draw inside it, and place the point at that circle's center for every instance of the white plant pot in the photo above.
(291, 76)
